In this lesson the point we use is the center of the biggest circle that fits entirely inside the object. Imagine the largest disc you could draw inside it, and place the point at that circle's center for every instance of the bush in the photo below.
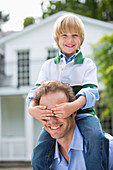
(103, 55)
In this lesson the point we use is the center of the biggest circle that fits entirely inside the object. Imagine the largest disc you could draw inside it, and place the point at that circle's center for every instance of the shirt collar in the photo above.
(76, 144)
(77, 140)
(78, 57)
(57, 154)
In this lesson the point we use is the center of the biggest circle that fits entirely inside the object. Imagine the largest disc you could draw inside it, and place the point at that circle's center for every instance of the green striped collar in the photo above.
(78, 59)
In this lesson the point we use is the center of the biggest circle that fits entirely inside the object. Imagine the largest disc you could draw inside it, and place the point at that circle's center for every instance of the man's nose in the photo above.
(53, 119)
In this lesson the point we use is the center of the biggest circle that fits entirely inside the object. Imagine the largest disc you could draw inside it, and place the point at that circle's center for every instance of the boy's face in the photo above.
(69, 43)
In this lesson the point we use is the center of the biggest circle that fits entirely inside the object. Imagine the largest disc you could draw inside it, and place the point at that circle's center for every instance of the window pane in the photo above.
(52, 53)
(23, 68)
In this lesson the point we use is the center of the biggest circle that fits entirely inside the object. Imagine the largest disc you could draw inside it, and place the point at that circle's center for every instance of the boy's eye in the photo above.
(64, 35)
(75, 35)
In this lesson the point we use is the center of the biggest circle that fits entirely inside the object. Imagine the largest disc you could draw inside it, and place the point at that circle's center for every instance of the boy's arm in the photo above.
(91, 94)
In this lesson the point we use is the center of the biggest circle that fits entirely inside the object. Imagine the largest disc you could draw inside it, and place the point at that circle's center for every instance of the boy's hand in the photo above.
(63, 110)
(40, 112)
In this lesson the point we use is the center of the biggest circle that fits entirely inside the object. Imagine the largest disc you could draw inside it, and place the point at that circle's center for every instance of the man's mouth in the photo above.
(55, 127)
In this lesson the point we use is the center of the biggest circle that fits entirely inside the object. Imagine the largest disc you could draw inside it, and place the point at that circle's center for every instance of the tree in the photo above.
(28, 21)
(93, 4)
(87, 8)
(98, 9)
(3, 18)
(52, 8)
(103, 54)
(105, 10)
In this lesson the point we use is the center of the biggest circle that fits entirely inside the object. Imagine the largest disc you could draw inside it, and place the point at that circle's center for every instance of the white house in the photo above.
(24, 53)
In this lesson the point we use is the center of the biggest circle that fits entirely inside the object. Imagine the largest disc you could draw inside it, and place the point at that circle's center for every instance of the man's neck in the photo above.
(64, 145)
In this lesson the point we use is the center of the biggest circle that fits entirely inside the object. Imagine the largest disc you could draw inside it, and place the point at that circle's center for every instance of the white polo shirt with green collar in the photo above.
(80, 74)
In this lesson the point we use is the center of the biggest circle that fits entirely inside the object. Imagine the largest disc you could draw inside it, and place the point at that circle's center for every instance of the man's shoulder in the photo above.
(109, 137)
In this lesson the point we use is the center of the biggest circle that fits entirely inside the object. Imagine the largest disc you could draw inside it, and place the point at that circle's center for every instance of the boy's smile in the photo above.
(69, 43)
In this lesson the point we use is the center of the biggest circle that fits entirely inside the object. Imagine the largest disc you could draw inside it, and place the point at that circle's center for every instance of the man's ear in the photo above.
(74, 114)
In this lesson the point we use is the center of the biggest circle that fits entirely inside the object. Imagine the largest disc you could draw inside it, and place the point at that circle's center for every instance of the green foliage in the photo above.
(74, 6)
(101, 9)
(105, 10)
(28, 21)
(103, 55)
(3, 18)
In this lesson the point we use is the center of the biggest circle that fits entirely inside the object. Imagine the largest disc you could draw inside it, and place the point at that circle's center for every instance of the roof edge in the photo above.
(50, 18)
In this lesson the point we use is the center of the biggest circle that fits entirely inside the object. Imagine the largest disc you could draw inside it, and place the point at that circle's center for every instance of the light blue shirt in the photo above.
(70, 59)
(76, 154)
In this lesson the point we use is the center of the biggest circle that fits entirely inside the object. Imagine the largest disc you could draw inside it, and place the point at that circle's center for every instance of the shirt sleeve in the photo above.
(30, 95)
(90, 75)
(91, 94)
(90, 85)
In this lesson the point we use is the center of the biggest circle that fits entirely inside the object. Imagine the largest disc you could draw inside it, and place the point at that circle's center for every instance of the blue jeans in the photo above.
(96, 157)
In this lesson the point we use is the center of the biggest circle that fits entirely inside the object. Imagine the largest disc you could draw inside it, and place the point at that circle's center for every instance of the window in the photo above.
(52, 53)
(23, 68)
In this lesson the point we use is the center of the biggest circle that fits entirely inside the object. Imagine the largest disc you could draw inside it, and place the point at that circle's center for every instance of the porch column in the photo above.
(28, 132)
(0, 130)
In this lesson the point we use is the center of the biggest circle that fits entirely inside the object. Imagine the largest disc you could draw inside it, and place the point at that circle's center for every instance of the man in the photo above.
(70, 148)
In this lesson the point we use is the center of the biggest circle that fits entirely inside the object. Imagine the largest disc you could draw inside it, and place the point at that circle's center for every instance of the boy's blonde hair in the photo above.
(68, 23)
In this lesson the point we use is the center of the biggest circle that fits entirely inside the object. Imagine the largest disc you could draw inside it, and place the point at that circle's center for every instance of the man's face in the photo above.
(57, 127)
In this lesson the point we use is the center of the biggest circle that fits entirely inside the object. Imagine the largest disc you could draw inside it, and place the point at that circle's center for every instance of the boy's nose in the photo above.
(70, 39)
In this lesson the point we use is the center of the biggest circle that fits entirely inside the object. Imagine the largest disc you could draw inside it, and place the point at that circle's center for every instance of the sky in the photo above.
(19, 10)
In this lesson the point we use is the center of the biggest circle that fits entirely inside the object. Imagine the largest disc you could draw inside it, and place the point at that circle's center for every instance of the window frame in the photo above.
(23, 67)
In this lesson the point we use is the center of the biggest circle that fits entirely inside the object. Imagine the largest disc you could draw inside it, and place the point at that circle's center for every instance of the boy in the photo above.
(72, 68)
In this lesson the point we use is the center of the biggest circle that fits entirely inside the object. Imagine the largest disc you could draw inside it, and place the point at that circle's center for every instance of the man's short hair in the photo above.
(53, 86)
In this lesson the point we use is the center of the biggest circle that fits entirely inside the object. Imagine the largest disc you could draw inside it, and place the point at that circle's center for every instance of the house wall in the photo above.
(37, 41)
(93, 33)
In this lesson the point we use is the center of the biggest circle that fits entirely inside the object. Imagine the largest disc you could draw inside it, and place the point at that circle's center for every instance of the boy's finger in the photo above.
(59, 115)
